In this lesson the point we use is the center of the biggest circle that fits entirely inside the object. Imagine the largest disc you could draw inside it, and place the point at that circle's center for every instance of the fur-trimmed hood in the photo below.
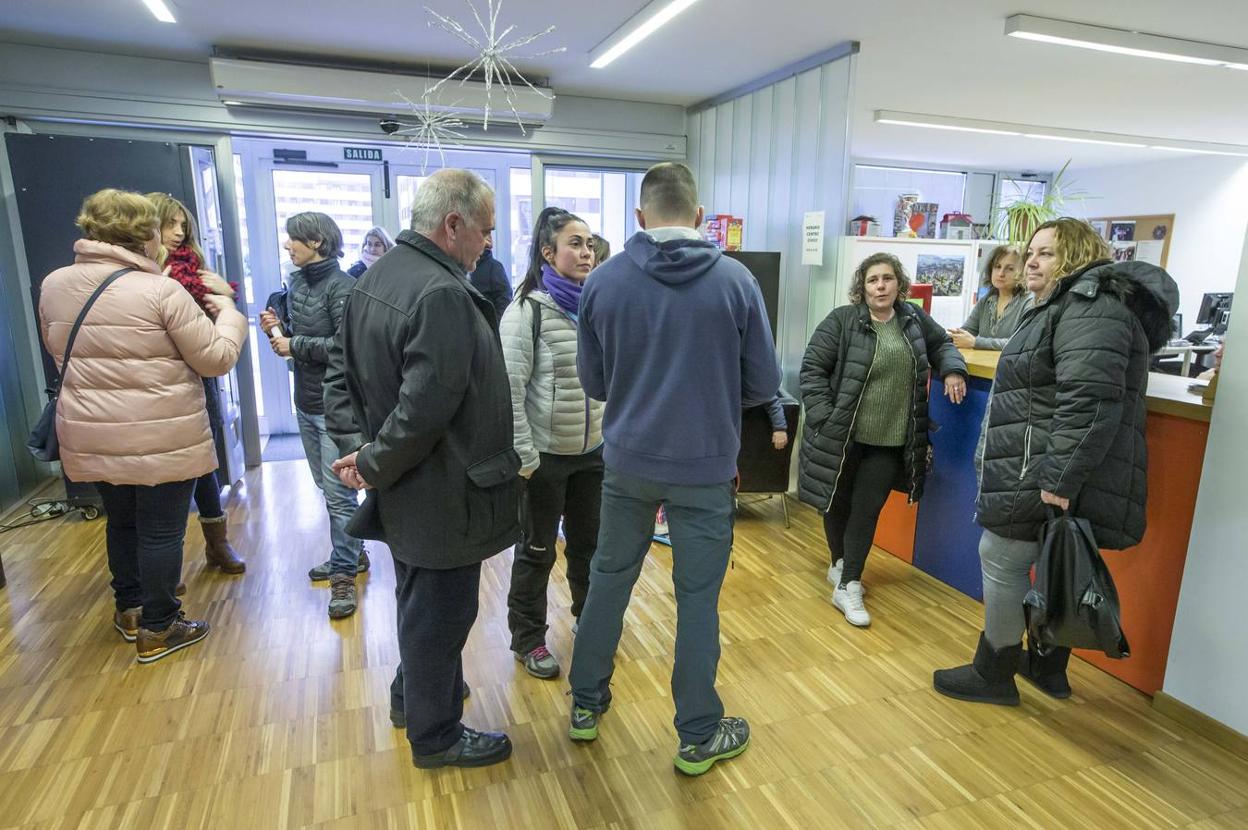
(1150, 293)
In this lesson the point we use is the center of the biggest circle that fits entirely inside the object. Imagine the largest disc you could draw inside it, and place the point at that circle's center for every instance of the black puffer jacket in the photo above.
(1067, 411)
(833, 376)
(417, 374)
(317, 295)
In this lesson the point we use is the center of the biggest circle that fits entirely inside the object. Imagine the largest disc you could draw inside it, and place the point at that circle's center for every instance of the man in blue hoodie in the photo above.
(674, 337)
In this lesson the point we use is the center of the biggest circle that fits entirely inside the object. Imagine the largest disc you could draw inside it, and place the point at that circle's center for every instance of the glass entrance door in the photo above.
(603, 193)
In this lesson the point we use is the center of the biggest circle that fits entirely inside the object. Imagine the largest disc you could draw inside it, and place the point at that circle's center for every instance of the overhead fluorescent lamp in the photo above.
(975, 125)
(636, 29)
(1123, 42)
(159, 10)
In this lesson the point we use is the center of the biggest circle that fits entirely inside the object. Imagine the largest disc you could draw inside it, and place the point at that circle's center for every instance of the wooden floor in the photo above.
(279, 719)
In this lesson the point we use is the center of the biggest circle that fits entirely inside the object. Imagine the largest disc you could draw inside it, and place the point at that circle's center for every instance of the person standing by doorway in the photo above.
(318, 292)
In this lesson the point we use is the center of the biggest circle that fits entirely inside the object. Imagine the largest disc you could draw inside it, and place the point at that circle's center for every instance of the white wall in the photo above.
(1208, 666)
(770, 157)
(1208, 196)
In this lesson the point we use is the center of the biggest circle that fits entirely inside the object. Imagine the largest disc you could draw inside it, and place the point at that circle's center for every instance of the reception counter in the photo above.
(940, 536)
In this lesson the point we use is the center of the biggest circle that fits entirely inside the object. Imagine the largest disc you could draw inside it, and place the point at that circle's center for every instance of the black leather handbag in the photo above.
(43, 443)
(1073, 602)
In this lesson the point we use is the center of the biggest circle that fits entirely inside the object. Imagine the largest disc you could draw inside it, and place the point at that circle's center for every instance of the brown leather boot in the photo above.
(217, 548)
(153, 645)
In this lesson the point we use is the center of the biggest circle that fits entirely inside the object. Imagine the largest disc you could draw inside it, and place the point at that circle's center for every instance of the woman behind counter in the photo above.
(997, 315)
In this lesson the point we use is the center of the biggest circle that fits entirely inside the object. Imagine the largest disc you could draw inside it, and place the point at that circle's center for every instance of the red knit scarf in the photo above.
(184, 266)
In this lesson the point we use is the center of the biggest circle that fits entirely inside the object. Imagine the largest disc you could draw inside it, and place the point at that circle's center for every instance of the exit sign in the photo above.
(361, 153)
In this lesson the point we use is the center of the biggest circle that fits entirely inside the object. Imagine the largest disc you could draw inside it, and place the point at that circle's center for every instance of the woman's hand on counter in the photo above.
(955, 388)
(962, 339)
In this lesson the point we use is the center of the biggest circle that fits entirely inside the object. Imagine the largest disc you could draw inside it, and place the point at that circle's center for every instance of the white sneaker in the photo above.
(849, 601)
(834, 575)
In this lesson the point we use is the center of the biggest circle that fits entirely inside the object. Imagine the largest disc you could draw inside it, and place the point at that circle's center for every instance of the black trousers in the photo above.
(146, 528)
(436, 610)
(207, 487)
(867, 476)
(567, 487)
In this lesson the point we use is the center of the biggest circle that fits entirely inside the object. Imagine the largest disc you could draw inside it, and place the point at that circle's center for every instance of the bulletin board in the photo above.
(1145, 238)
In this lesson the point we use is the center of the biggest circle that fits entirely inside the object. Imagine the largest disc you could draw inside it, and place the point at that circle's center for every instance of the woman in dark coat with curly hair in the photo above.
(1064, 429)
(864, 384)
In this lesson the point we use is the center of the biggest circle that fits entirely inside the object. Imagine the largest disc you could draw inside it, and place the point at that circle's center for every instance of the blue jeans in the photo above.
(700, 518)
(340, 499)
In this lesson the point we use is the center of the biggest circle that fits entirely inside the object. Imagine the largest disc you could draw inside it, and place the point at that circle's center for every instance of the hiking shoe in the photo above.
(731, 738)
(849, 601)
(540, 663)
(341, 596)
(127, 622)
(321, 572)
(153, 645)
(834, 575)
(473, 749)
(584, 724)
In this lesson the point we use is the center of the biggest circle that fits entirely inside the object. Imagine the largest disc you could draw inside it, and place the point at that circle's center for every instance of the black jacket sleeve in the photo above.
(941, 353)
(437, 370)
(818, 366)
(1091, 350)
(340, 419)
(309, 349)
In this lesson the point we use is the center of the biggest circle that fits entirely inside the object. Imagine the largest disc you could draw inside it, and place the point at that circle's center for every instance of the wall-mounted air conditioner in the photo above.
(326, 89)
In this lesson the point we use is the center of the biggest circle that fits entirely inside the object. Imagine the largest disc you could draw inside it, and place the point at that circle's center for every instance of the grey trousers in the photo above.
(701, 520)
(1006, 565)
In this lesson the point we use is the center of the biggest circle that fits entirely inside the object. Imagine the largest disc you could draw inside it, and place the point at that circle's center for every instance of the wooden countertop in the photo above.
(1167, 394)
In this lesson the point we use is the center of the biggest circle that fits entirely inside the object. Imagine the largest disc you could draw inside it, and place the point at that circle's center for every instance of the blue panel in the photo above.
(946, 539)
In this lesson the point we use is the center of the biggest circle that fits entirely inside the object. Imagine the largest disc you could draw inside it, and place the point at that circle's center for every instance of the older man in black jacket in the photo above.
(418, 402)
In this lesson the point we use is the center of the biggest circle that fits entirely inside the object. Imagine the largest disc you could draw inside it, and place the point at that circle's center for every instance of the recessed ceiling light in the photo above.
(636, 29)
(1123, 42)
(976, 125)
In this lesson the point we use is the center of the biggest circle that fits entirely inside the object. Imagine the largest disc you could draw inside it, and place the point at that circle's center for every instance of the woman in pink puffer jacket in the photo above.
(131, 415)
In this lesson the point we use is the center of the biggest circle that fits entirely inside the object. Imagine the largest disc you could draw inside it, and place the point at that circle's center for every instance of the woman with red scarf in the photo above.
(183, 260)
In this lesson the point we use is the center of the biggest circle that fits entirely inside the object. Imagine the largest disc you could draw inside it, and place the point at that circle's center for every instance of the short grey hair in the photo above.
(316, 230)
(450, 191)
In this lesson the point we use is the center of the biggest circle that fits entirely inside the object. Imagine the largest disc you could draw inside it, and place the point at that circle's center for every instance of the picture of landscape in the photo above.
(943, 273)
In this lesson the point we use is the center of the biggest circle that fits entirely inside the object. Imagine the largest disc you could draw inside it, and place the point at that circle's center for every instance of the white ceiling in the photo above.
(946, 58)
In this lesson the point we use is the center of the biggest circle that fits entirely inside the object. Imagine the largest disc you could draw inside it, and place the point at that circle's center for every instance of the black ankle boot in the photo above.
(988, 679)
(1047, 673)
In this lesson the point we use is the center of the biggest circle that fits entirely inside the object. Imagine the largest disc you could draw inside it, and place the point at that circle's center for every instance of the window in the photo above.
(877, 191)
(346, 197)
(1010, 191)
(603, 198)
(521, 222)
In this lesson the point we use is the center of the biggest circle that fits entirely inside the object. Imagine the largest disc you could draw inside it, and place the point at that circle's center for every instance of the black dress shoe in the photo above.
(399, 718)
(473, 749)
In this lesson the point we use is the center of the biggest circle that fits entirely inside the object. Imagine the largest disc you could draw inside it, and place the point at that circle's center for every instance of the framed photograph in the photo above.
(1121, 231)
(942, 272)
(1124, 251)
(1100, 226)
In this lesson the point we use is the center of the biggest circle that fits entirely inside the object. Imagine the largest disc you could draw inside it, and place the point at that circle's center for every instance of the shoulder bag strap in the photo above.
(82, 315)
(537, 324)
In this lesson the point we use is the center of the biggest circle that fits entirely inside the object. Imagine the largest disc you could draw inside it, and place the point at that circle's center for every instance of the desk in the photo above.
(1186, 351)
(940, 535)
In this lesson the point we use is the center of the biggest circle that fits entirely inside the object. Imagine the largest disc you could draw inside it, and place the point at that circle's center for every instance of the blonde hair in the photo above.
(167, 208)
(119, 217)
(1076, 245)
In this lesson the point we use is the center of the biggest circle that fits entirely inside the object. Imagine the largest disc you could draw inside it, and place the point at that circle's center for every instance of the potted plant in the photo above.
(1018, 220)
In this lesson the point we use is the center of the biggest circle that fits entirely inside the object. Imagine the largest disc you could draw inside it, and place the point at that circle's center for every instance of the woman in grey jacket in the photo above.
(995, 317)
(558, 432)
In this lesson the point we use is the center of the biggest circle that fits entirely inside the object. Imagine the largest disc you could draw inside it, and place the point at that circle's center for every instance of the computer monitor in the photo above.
(1214, 308)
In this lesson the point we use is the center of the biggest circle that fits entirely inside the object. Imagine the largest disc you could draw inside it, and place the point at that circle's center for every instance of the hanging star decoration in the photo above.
(431, 130)
(493, 59)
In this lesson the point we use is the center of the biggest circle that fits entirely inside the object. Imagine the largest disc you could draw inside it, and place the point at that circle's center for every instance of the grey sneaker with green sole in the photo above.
(731, 738)
(584, 724)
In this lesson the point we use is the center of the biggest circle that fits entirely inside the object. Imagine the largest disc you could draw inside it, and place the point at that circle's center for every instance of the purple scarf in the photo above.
(565, 292)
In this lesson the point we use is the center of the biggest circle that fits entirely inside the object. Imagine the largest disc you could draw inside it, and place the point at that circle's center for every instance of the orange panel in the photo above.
(1149, 575)
(895, 532)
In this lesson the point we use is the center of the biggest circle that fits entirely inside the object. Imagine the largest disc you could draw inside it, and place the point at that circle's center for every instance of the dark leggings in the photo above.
(207, 488)
(867, 475)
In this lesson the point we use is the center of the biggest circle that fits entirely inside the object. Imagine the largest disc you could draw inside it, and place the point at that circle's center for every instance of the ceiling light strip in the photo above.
(159, 10)
(1123, 42)
(975, 125)
(636, 29)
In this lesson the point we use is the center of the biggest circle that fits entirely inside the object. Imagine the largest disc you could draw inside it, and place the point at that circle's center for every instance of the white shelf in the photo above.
(905, 240)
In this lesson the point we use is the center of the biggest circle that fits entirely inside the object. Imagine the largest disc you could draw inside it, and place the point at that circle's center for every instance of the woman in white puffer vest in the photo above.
(558, 432)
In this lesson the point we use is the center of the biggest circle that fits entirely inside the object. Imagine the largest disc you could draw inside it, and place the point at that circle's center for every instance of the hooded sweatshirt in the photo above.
(674, 337)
